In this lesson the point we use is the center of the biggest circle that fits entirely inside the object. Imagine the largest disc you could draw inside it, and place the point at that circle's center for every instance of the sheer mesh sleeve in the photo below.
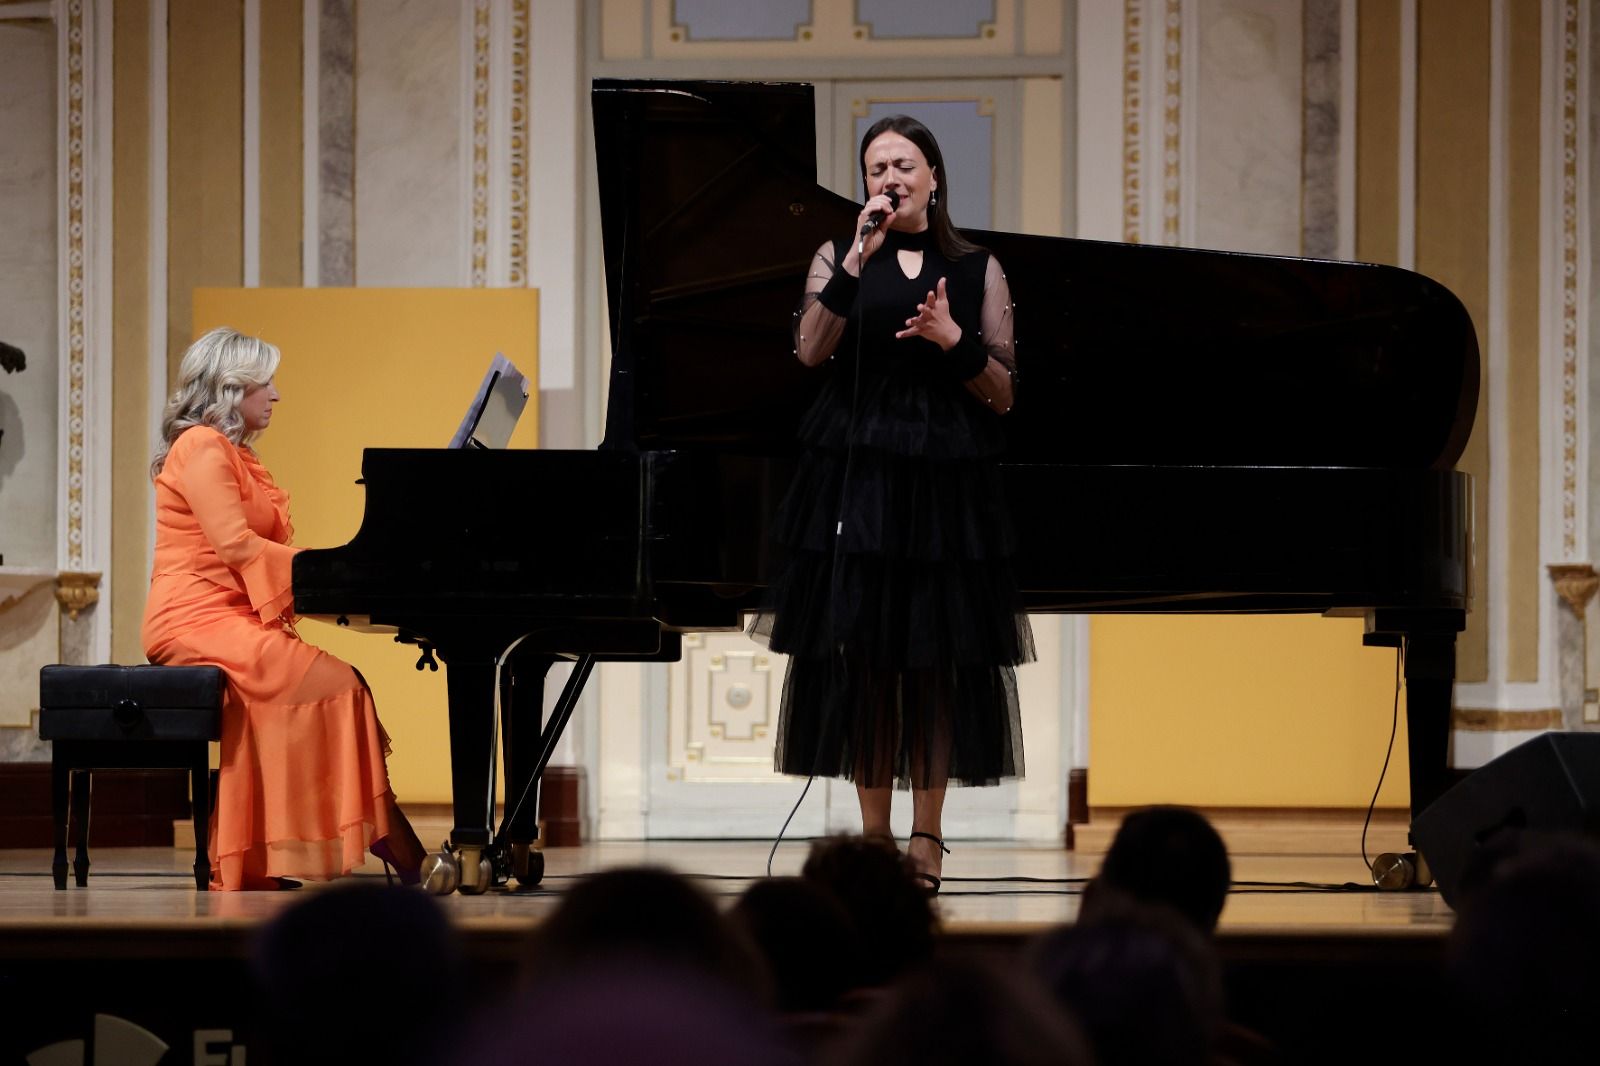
(830, 292)
(995, 384)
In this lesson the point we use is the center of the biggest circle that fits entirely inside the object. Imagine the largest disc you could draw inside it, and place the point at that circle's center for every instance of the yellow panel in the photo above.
(1378, 132)
(205, 156)
(1237, 711)
(1043, 22)
(1453, 231)
(622, 29)
(1042, 125)
(282, 177)
(377, 368)
(130, 332)
(1525, 574)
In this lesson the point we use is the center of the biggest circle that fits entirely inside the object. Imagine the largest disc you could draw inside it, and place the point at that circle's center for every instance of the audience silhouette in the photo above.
(356, 972)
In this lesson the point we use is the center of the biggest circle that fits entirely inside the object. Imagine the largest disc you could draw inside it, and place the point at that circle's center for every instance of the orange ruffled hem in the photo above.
(303, 791)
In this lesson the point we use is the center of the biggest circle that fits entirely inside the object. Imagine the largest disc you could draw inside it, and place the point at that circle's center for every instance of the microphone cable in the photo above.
(1394, 727)
(836, 658)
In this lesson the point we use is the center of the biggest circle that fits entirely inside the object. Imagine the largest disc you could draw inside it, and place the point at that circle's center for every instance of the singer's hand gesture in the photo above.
(933, 321)
(883, 207)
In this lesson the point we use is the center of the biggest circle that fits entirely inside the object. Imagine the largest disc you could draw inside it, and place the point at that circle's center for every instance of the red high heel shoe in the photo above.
(410, 874)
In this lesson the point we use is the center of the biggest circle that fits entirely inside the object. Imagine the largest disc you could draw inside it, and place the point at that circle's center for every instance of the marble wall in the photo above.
(28, 284)
(1247, 126)
(410, 187)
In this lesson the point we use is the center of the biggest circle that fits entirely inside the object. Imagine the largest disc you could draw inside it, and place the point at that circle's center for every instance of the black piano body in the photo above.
(1195, 432)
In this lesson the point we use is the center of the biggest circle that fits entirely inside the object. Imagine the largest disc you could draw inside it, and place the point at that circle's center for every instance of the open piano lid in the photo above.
(1127, 354)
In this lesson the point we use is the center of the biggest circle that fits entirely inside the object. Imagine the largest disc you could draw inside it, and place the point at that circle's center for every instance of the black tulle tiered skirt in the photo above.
(898, 610)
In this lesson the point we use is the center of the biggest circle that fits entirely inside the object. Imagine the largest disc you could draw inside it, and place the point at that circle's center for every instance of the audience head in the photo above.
(216, 372)
(643, 915)
(1143, 983)
(889, 909)
(957, 1011)
(806, 938)
(357, 973)
(1170, 856)
(1523, 960)
(626, 1013)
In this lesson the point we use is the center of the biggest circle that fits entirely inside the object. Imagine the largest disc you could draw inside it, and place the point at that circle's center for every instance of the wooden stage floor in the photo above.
(991, 889)
(164, 963)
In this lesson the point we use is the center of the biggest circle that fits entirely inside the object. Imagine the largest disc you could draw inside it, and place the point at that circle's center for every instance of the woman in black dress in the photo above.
(897, 607)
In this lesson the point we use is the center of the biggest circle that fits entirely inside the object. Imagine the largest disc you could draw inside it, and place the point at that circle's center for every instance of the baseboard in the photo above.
(1272, 830)
(130, 808)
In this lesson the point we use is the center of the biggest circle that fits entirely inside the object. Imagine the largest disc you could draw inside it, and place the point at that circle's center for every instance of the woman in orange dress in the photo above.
(303, 791)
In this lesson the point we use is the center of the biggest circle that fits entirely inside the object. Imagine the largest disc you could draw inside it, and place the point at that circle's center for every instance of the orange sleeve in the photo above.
(209, 482)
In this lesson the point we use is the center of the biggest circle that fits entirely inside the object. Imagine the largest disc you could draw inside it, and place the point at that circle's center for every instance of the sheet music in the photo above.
(495, 408)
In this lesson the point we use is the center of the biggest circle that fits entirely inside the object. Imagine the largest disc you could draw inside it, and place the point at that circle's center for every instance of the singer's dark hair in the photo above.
(951, 244)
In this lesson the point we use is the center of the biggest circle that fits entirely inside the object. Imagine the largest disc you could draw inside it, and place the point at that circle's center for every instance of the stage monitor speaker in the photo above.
(1550, 783)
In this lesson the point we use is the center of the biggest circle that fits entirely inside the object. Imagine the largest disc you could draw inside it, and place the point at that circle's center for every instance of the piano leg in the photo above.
(1430, 683)
(522, 696)
(470, 680)
(527, 755)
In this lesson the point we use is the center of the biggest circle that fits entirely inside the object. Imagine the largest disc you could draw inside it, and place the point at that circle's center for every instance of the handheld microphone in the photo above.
(875, 219)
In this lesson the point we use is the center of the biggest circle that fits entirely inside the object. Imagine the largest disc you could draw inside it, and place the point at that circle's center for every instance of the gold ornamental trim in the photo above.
(1172, 123)
(1488, 720)
(480, 144)
(77, 591)
(76, 261)
(1569, 277)
(1132, 119)
(519, 142)
(1576, 583)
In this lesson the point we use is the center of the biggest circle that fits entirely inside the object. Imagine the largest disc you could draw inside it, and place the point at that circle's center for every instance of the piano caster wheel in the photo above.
(441, 874)
(1395, 872)
(528, 865)
(477, 872)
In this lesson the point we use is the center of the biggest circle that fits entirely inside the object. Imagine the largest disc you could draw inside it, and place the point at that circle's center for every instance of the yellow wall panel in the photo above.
(1453, 231)
(130, 330)
(282, 177)
(205, 156)
(1524, 570)
(1378, 131)
(369, 368)
(1240, 711)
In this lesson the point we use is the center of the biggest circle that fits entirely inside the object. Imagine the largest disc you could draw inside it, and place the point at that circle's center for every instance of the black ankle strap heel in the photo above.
(928, 879)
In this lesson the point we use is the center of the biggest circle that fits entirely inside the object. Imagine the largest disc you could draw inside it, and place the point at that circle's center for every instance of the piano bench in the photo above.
(127, 717)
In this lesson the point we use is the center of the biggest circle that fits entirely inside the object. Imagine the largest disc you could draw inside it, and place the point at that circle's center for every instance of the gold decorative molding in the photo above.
(519, 142)
(77, 591)
(1569, 215)
(1576, 583)
(1132, 119)
(77, 261)
(480, 143)
(1172, 123)
(1488, 720)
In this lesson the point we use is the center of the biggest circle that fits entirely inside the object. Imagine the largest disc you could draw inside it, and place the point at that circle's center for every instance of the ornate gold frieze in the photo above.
(76, 273)
(1488, 720)
(1576, 583)
(519, 142)
(1172, 123)
(480, 144)
(1569, 216)
(1132, 119)
(77, 591)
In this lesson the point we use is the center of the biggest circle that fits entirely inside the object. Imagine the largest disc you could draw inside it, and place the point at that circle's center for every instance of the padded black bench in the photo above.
(127, 717)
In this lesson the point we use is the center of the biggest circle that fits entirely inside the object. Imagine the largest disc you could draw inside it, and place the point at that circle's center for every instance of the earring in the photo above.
(933, 200)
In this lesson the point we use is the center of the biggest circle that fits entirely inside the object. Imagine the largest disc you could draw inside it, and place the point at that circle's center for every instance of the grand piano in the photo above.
(1195, 432)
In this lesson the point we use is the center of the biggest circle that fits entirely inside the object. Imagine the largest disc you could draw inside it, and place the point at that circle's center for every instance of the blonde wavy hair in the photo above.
(212, 379)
